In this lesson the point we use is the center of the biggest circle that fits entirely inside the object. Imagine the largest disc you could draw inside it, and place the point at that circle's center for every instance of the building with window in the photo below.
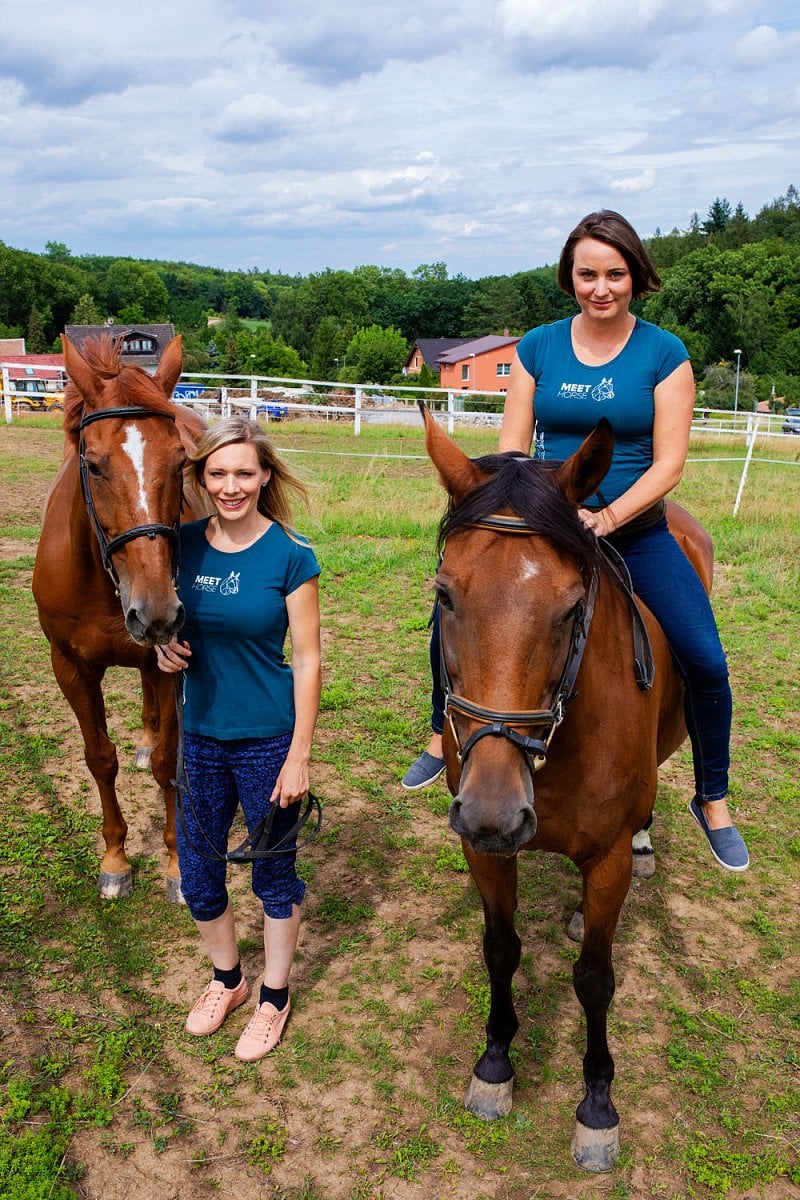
(142, 345)
(480, 365)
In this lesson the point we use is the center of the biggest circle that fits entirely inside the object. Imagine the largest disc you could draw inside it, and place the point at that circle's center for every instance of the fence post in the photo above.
(253, 398)
(7, 395)
(450, 408)
(357, 426)
(752, 431)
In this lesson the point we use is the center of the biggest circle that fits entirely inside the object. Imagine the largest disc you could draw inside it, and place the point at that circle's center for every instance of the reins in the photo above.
(153, 529)
(497, 723)
(254, 847)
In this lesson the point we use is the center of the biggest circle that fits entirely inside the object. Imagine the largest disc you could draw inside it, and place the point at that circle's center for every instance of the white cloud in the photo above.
(477, 133)
(645, 182)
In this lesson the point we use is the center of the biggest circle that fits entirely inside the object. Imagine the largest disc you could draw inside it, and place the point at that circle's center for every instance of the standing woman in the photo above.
(606, 362)
(248, 715)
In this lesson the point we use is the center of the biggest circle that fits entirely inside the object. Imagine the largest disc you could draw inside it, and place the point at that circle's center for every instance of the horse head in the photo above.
(511, 584)
(122, 425)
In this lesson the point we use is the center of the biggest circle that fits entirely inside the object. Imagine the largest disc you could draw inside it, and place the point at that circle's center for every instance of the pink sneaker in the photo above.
(263, 1032)
(214, 1005)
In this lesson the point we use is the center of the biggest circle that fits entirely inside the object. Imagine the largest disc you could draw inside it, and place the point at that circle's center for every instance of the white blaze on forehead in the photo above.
(528, 569)
(133, 446)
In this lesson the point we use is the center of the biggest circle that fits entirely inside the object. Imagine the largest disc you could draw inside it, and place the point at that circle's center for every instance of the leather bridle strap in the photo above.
(108, 546)
(496, 723)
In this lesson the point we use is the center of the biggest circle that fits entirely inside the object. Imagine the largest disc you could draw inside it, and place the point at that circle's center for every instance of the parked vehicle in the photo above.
(791, 421)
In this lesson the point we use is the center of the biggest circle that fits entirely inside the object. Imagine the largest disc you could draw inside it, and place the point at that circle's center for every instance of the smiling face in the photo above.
(602, 280)
(233, 479)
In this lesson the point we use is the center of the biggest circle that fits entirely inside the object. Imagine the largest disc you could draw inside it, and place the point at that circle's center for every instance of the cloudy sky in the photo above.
(293, 135)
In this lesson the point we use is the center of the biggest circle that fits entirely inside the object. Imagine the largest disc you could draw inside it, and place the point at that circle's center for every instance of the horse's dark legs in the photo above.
(490, 1090)
(163, 763)
(80, 684)
(595, 1144)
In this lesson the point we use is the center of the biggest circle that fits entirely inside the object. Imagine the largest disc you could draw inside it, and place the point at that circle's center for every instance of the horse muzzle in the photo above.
(151, 624)
(492, 831)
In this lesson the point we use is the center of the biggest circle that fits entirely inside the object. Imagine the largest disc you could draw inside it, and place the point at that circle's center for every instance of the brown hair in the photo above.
(609, 227)
(274, 500)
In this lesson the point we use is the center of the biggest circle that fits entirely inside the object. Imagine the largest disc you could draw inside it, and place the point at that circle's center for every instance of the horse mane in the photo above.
(134, 387)
(527, 488)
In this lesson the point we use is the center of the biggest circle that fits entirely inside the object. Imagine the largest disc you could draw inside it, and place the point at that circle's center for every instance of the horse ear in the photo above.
(170, 366)
(458, 474)
(80, 373)
(581, 475)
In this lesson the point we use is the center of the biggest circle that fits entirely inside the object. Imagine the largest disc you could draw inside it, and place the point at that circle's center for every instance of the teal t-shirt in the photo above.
(238, 683)
(571, 397)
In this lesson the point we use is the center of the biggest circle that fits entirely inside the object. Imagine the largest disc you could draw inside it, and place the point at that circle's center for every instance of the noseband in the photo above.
(107, 545)
(496, 723)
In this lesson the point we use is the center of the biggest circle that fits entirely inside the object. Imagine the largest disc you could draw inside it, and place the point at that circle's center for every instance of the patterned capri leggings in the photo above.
(221, 775)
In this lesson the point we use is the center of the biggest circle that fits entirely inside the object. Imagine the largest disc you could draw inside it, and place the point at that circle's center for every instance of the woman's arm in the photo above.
(674, 404)
(516, 432)
(302, 605)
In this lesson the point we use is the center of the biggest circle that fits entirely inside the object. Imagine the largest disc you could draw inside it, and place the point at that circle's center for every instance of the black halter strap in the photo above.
(108, 546)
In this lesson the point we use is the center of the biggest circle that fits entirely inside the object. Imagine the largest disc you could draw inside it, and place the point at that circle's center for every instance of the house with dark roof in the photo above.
(480, 365)
(428, 351)
(142, 345)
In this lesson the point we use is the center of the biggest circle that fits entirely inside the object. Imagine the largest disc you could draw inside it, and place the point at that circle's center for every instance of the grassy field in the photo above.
(103, 1095)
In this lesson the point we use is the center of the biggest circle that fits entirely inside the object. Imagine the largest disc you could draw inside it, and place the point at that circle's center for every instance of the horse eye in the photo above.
(442, 595)
(93, 469)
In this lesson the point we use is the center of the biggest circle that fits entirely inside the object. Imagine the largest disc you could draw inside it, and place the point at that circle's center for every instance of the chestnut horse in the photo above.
(550, 743)
(106, 567)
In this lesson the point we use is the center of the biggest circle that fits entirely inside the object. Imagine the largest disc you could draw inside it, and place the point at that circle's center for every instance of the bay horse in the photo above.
(550, 743)
(105, 574)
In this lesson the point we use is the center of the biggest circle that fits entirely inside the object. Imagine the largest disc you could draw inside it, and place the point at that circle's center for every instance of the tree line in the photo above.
(731, 282)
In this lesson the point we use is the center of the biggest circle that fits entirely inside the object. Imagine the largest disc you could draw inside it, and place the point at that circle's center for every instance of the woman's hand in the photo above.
(173, 658)
(292, 784)
(600, 521)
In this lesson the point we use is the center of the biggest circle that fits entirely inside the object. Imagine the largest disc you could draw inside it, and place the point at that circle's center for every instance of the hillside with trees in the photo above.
(730, 282)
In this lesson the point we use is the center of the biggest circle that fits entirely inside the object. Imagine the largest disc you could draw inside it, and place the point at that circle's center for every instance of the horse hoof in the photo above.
(174, 892)
(116, 885)
(595, 1150)
(141, 759)
(575, 928)
(489, 1100)
(644, 864)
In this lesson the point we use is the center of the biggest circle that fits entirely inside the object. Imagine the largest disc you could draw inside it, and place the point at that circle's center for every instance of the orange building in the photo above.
(483, 365)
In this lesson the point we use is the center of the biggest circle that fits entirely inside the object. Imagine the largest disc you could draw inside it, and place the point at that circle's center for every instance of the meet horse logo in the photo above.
(604, 390)
(215, 583)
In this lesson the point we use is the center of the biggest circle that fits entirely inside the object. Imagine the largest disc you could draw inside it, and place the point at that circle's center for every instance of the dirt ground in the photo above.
(337, 1128)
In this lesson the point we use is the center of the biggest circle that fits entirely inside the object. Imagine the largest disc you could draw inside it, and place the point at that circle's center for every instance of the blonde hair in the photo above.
(274, 500)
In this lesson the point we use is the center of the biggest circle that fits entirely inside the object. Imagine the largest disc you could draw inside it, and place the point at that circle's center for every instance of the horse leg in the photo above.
(490, 1091)
(81, 686)
(595, 1143)
(644, 860)
(149, 736)
(644, 867)
(163, 764)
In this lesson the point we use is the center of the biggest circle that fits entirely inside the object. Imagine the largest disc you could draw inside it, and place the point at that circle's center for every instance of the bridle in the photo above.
(108, 546)
(495, 723)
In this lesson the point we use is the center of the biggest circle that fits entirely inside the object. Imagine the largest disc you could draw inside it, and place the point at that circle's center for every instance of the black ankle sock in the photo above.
(229, 979)
(277, 996)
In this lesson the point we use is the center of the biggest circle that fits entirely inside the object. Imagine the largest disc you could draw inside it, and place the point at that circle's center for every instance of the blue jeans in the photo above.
(221, 775)
(670, 587)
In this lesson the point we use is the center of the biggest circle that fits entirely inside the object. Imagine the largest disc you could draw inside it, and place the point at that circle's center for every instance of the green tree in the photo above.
(496, 305)
(58, 251)
(34, 338)
(376, 355)
(131, 283)
(86, 312)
